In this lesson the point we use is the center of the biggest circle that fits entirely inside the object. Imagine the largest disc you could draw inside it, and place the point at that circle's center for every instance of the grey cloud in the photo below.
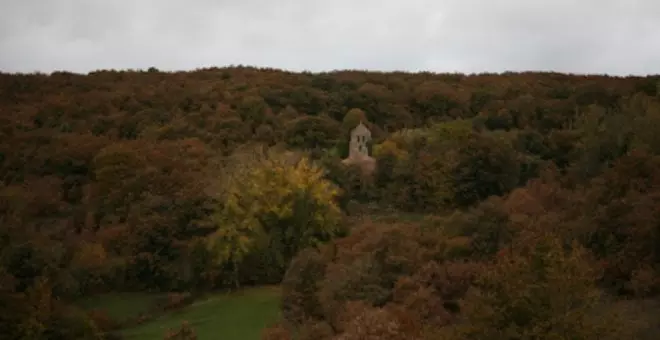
(586, 36)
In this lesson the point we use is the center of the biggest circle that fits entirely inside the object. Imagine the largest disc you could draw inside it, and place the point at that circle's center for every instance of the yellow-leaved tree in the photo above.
(273, 205)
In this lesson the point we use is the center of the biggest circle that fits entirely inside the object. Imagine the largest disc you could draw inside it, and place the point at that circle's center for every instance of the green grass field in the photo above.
(120, 306)
(236, 316)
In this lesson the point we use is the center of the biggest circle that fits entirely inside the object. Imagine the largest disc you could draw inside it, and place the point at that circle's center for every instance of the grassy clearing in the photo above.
(230, 316)
(120, 306)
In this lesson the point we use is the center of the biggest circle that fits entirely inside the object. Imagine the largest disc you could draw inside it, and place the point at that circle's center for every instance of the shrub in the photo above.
(300, 286)
(72, 323)
(645, 282)
(360, 321)
(275, 332)
(177, 301)
(184, 332)
(316, 330)
(102, 320)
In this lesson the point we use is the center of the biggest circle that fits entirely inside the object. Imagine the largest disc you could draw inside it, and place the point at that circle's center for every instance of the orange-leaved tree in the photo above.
(540, 288)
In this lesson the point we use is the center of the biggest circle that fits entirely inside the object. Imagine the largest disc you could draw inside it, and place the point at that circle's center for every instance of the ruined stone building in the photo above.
(358, 150)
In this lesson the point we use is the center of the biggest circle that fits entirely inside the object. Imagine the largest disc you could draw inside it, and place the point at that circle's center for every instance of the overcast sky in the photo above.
(581, 36)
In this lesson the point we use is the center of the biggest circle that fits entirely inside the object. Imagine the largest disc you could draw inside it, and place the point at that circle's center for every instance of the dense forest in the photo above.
(538, 197)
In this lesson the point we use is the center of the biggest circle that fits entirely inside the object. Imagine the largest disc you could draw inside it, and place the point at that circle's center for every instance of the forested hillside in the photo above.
(541, 193)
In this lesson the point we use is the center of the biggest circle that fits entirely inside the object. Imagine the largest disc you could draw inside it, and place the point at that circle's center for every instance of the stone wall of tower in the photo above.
(358, 152)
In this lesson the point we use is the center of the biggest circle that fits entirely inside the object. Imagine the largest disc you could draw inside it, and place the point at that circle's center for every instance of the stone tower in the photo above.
(360, 137)
(358, 150)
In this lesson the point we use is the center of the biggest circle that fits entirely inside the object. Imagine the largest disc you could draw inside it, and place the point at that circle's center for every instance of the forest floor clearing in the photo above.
(240, 315)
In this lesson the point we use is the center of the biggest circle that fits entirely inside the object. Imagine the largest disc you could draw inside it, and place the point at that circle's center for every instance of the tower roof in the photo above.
(361, 129)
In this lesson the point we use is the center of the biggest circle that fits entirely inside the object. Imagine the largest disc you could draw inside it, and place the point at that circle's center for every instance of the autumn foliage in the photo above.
(152, 181)
(271, 206)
